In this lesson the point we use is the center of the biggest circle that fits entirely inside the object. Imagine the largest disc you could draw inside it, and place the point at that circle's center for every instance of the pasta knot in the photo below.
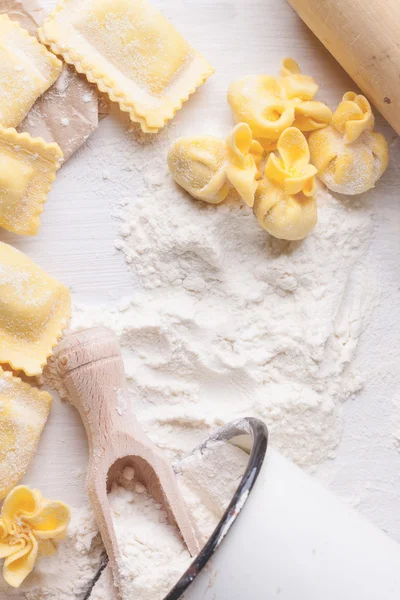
(349, 155)
(269, 105)
(208, 167)
(29, 525)
(285, 203)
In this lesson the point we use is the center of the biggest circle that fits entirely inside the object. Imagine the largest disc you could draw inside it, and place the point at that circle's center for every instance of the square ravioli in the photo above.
(23, 414)
(132, 52)
(27, 169)
(34, 310)
(27, 70)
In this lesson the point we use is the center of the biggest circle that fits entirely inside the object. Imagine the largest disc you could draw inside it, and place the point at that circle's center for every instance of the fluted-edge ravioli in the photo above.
(23, 414)
(27, 170)
(34, 310)
(132, 52)
(27, 70)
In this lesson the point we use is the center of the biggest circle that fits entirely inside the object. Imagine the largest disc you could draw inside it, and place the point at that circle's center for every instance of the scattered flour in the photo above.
(226, 322)
(122, 405)
(153, 555)
(230, 322)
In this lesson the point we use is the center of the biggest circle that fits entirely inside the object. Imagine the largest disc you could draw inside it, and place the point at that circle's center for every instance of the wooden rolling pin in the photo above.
(363, 36)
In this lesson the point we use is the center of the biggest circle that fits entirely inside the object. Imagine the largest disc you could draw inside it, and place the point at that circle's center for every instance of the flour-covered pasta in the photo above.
(27, 169)
(27, 70)
(349, 155)
(34, 310)
(132, 52)
(30, 526)
(23, 414)
(208, 167)
(285, 203)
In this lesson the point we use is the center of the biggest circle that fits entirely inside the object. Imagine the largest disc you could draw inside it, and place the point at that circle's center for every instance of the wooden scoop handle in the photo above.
(90, 366)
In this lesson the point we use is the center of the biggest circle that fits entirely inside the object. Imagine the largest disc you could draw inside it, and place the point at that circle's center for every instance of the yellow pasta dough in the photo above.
(30, 525)
(27, 70)
(34, 310)
(349, 155)
(27, 169)
(271, 104)
(23, 414)
(208, 167)
(285, 203)
(132, 52)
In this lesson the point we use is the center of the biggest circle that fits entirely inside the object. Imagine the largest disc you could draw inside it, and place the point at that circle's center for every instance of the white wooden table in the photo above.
(76, 244)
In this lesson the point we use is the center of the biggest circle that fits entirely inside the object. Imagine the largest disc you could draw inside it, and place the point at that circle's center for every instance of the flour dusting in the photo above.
(226, 322)
(153, 555)
(230, 322)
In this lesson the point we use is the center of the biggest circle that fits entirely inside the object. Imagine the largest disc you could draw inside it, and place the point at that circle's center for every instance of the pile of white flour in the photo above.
(229, 322)
(226, 322)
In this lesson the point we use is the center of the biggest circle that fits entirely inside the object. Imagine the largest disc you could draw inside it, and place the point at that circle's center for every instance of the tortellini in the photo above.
(269, 105)
(280, 114)
(285, 203)
(208, 167)
(349, 155)
(30, 526)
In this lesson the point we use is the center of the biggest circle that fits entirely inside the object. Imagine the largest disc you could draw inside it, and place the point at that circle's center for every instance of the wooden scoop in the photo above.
(90, 367)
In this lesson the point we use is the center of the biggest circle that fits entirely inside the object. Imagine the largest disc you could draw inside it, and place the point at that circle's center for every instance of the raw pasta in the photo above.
(34, 310)
(208, 167)
(27, 169)
(285, 203)
(271, 104)
(132, 52)
(27, 70)
(349, 155)
(23, 414)
(30, 526)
